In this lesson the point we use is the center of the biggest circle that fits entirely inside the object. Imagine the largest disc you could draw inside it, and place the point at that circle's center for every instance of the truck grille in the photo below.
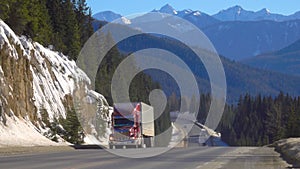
(118, 136)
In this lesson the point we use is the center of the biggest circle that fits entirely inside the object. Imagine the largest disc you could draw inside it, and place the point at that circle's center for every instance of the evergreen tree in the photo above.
(5, 8)
(184, 106)
(38, 27)
(84, 19)
(17, 15)
(65, 24)
(292, 126)
(173, 102)
(56, 13)
(193, 105)
(74, 132)
(72, 35)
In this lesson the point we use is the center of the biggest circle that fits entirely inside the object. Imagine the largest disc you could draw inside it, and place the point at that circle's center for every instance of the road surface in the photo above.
(178, 158)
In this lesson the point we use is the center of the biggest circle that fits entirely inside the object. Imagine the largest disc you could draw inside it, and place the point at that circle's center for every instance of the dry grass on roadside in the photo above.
(5, 151)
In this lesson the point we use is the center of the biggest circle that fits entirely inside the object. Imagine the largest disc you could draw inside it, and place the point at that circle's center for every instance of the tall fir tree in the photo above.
(72, 35)
(5, 8)
(38, 26)
(18, 15)
(84, 18)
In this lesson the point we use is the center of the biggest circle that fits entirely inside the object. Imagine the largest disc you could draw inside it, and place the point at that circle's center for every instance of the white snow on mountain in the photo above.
(125, 20)
(184, 12)
(265, 11)
(167, 9)
(108, 16)
(122, 20)
(237, 13)
(197, 13)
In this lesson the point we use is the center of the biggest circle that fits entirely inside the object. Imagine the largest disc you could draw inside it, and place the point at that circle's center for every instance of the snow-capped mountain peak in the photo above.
(231, 14)
(264, 11)
(187, 11)
(197, 13)
(108, 16)
(237, 13)
(235, 9)
(125, 20)
(168, 9)
(184, 12)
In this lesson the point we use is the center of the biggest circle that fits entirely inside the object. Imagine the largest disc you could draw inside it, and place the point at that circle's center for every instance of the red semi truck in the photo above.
(132, 126)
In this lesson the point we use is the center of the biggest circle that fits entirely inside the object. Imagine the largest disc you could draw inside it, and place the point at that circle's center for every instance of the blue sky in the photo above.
(127, 7)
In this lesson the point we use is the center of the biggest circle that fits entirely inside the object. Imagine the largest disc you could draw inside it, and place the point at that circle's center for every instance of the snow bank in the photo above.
(20, 132)
(177, 137)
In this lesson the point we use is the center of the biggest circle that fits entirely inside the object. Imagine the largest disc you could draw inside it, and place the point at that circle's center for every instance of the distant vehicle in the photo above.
(132, 125)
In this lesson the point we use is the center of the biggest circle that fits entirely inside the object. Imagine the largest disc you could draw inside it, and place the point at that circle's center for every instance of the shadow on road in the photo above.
(87, 147)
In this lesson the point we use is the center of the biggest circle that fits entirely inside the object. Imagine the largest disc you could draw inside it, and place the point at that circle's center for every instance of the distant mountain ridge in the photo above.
(108, 16)
(198, 18)
(240, 40)
(286, 60)
(237, 13)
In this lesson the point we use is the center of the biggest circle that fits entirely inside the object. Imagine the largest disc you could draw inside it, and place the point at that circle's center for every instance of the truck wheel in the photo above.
(152, 141)
(112, 147)
(149, 142)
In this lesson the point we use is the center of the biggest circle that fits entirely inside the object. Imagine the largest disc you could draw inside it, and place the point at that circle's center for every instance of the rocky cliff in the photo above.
(37, 86)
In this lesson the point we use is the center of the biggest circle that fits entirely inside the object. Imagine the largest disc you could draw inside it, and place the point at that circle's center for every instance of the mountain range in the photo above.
(237, 13)
(244, 39)
(239, 40)
(108, 16)
(236, 33)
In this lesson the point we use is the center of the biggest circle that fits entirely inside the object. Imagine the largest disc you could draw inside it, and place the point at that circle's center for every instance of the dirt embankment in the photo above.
(7, 151)
(289, 150)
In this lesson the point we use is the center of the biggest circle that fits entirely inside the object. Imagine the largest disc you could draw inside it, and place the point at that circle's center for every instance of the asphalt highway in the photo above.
(177, 158)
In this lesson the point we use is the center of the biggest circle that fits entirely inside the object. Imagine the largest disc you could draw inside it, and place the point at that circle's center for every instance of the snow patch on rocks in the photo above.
(289, 149)
(22, 133)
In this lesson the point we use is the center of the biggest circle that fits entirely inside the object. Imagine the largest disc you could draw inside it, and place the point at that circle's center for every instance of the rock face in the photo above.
(15, 76)
(37, 84)
(289, 150)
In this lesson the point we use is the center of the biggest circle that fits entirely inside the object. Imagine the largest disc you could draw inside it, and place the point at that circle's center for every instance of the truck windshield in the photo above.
(123, 122)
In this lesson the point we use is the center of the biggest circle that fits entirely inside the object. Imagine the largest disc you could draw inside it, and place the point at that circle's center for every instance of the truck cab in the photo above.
(132, 125)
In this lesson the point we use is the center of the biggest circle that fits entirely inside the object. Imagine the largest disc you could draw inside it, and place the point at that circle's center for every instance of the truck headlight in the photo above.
(111, 138)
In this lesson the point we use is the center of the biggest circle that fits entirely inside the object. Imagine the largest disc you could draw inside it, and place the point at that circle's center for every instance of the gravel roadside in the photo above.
(8, 151)
(289, 150)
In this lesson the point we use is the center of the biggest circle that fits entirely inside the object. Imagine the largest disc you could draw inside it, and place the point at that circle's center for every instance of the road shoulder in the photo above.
(289, 150)
(248, 157)
(10, 151)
